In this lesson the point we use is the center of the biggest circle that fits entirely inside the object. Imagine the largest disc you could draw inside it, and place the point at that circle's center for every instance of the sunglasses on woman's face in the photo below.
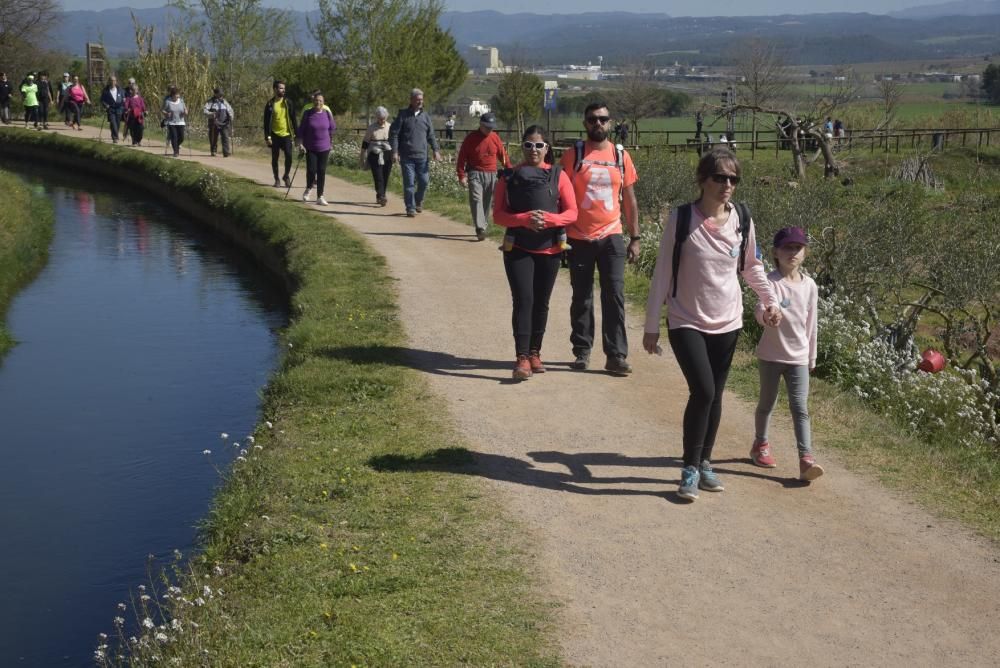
(533, 145)
(593, 120)
(723, 178)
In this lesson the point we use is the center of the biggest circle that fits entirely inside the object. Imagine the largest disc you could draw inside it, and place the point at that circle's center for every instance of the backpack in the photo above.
(533, 189)
(619, 162)
(684, 229)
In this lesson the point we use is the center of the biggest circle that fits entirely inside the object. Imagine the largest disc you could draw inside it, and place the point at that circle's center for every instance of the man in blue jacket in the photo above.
(113, 99)
(409, 137)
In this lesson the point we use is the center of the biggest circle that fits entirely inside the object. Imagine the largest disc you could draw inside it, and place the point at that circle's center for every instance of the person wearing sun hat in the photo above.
(476, 166)
(788, 351)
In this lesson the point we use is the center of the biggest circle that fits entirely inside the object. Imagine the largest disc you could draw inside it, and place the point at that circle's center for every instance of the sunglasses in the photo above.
(598, 119)
(723, 178)
(533, 145)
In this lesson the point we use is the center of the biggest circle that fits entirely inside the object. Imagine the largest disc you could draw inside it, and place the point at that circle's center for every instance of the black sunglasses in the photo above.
(598, 119)
(533, 145)
(723, 178)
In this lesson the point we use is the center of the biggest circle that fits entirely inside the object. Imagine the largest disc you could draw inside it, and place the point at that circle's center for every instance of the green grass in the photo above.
(351, 537)
(25, 233)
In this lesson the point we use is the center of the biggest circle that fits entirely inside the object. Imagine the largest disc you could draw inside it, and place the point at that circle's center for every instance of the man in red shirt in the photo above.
(603, 178)
(477, 169)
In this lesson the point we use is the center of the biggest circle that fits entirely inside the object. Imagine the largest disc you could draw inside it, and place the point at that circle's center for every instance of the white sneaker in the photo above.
(321, 201)
(306, 194)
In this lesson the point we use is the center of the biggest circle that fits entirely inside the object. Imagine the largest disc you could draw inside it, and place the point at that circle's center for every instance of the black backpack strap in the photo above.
(681, 231)
(744, 212)
(554, 179)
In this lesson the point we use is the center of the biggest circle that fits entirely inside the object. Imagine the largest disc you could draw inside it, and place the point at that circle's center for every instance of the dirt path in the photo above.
(766, 573)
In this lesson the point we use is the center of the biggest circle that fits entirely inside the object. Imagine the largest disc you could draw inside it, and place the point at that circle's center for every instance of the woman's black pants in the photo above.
(531, 277)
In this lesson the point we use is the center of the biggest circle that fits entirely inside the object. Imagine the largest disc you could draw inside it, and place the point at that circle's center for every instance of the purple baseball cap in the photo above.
(790, 235)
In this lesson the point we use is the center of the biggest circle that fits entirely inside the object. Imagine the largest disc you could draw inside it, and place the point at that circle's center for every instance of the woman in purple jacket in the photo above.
(315, 135)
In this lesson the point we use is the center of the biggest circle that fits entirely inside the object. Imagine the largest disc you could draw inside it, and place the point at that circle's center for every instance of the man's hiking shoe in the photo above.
(760, 455)
(410, 213)
(581, 362)
(522, 368)
(808, 468)
(418, 208)
(535, 360)
(709, 481)
(307, 194)
(481, 235)
(321, 201)
(688, 488)
(618, 366)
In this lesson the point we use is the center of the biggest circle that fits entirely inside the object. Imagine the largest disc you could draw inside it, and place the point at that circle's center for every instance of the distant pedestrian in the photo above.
(220, 123)
(476, 165)
(6, 92)
(376, 152)
(788, 351)
(410, 136)
(603, 179)
(698, 121)
(280, 128)
(77, 97)
(705, 248)
(174, 113)
(828, 127)
(315, 135)
(113, 100)
(838, 129)
(29, 93)
(534, 201)
(135, 115)
(45, 98)
(449, 127)
(63, 93)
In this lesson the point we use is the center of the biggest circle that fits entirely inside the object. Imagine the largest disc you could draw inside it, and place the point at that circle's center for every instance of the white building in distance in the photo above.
(486, 60)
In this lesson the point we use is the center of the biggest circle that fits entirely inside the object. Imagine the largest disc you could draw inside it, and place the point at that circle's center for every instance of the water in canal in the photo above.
(139, 343)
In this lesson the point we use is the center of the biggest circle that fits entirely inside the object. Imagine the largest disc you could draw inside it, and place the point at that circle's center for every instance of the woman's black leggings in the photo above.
(704, 360)
(380, 173)
(176, 133)
(531, 277)
(316, 170)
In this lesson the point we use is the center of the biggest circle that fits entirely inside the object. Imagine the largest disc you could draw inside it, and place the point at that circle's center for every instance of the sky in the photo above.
(674, 8)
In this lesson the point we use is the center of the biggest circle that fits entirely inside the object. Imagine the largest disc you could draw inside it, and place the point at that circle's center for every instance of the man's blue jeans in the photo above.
(416, 176)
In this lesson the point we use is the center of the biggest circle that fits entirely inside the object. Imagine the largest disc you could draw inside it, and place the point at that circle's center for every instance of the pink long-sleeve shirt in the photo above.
(793, 341)
(708, 298)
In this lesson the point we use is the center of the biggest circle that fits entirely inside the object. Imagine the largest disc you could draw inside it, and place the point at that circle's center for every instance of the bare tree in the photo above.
(638, 98)
(23, 27)
(763, 78)
(889, 92)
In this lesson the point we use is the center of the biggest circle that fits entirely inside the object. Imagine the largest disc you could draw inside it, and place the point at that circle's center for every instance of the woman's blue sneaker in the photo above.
(689, 483)
(709, 481)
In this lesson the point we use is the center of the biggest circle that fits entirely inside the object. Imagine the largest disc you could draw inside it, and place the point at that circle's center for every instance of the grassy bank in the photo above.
(25, 233)
(311, 557)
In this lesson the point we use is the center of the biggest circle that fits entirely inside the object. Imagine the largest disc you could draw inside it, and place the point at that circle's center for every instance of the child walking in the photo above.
(788, 351)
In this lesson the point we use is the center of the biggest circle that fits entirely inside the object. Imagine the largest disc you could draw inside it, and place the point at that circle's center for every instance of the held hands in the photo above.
(772, 316)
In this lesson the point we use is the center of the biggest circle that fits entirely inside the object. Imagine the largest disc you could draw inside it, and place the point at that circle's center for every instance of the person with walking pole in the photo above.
(220, 123)
(174, 113)
(476, 166)
(315, 135)
(280, 126)
(135, 115)
(113, 101)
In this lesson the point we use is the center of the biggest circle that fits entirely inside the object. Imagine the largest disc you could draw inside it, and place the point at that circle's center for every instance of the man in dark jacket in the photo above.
(6, 91)
(280, 126)
(220, 122)
(409, 136)
(113, 99)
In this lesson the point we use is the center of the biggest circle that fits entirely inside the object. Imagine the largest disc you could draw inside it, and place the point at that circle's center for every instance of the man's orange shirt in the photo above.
(597, 187)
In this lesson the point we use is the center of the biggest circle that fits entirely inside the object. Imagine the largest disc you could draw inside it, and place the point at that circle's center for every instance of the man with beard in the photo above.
(603, 177)
(280, 125)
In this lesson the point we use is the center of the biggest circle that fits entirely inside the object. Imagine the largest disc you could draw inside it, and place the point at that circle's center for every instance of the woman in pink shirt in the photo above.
(534, 201)
(705, 306)
(788, 351)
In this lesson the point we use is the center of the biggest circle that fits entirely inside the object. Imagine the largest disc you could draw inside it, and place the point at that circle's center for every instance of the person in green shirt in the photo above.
(280, 126)
(29, 91)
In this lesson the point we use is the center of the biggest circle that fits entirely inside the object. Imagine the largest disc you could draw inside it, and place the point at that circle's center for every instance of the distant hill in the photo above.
(958, 8)
(620, 37)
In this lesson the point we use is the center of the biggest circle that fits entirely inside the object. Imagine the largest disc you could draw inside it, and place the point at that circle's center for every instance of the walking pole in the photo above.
(103, 118)
(295, 171)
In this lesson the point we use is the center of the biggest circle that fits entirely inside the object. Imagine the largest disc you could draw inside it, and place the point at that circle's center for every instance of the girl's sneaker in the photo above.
(760, 455)
(305, 195)
(321, 201)
(808, 468)
(688, 488)
(708, 480)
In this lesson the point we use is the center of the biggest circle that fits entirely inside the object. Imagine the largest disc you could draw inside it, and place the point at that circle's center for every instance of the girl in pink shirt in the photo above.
(788, 351)
(705, 307)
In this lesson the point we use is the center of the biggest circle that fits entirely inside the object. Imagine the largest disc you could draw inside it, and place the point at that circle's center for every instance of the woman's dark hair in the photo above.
(712, 161)
(540, 131)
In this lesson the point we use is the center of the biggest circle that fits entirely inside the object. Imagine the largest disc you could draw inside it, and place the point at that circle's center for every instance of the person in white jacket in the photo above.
(788, 351)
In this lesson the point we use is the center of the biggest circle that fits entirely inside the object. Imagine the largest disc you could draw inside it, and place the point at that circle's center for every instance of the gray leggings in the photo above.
(797, 383)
